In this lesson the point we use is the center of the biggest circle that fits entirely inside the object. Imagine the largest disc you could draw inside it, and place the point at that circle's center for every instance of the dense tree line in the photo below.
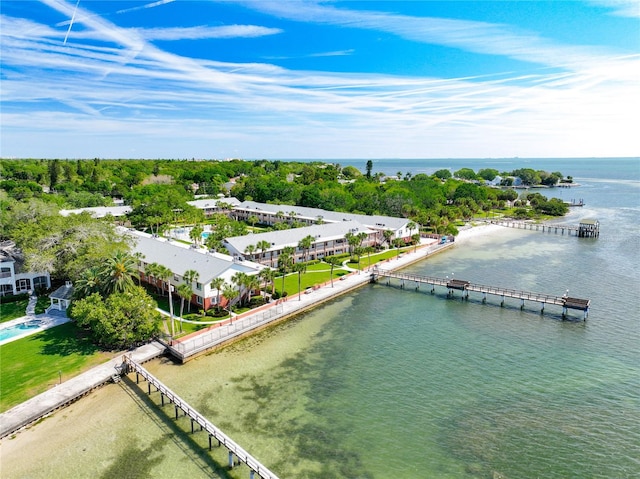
(158, 190)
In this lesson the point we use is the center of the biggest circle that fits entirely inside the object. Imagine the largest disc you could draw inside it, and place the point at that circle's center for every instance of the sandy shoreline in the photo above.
(478, 231)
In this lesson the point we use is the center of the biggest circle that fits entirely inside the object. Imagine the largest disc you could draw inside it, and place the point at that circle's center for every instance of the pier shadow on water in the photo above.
(194, 446)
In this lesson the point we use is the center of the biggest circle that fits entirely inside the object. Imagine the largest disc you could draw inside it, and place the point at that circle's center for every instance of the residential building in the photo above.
(179, 258)
(328, 239)
(14, 281)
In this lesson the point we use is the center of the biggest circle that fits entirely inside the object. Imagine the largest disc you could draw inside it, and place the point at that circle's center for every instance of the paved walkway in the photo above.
(47, 402)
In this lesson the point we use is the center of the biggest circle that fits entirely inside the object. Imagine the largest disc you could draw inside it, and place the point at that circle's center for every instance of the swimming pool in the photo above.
(26, 326)
(18, 330)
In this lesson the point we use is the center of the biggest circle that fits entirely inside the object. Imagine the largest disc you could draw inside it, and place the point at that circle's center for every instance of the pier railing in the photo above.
(565, 301)
(235, 451)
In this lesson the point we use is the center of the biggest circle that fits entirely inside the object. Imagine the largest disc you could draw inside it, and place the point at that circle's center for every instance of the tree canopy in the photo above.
(121, 320)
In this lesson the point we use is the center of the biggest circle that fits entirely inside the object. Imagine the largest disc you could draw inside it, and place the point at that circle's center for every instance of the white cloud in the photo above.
(118, 90)
(472, 36)
(204, 32)
(622, 8)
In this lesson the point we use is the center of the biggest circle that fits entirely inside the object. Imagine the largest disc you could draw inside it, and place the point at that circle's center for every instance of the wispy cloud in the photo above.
(472, 36)
(204, 32)
(622, 8)
(120, 85)
(148, 5)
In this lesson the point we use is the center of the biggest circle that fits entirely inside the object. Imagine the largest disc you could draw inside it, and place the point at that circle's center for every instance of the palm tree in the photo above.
(165, 274)
(280, 216)
(216, 283)
(151, 271)
(117, 273)
(388, 234)
(88, 283)
(267, 275)
(251, 283)
(229, 292)
(249, 250)
(239, 279)
(285, 261)
(416, 241)
(299, 268)
(369, 250)
(333, 261)
(305, 245)
(196, 234)
(264, 245)
(252, 220)
(189, 277)
(185, 291)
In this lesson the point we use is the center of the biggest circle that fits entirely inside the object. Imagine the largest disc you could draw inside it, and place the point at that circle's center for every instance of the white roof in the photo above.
(180, 258)
(291, 237)
(213, 202)
(375, 221)
(99, 211)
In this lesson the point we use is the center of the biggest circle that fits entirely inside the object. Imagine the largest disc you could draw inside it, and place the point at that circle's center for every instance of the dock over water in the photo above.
(452, 285)
(588, 228)
(237, 455)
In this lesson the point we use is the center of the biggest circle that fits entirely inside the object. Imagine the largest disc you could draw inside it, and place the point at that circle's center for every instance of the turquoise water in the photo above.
(405, 384)
(17, 330)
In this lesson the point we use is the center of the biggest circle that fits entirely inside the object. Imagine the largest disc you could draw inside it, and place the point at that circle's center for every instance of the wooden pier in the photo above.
(452, 285)
(588, 228)
(237, 455)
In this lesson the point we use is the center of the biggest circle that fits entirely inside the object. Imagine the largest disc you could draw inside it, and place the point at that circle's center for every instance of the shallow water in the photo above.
(398, 383)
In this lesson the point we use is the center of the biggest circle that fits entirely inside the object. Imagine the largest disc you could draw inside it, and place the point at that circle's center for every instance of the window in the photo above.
(23, 284)
(198, 285)
(198, 299)
(39, 282)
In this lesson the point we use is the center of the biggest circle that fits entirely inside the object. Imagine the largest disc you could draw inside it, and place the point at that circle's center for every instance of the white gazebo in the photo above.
(61, 297)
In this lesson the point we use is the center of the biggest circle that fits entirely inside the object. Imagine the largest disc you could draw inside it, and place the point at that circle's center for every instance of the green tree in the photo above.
(89, 282)
(264, 245)
(196, 234)
(369, 168)
(305, 245)
(443, 174)
(216, 283)
(299, 268)
(465, 174)
(185, 291)
(165, 274)
(190, 276)
(230, 293)
(333, 261)
(118, 272)
(121, 320)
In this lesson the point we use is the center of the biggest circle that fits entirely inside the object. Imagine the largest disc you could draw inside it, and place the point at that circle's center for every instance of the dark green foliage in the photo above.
(119, 321)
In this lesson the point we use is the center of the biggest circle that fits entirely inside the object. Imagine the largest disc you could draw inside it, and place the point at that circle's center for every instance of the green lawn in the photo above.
(321, 274)
(34, 364)
(17, 309)
(377, 257)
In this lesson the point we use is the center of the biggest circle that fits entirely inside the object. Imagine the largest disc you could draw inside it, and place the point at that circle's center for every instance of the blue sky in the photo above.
(319, 79)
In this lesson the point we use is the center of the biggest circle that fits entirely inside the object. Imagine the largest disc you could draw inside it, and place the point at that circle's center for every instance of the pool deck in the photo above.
(46, 320)
(69, 391)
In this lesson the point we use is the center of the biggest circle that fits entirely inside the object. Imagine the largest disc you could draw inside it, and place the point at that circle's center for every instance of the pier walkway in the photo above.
(588, 228)
(237, 455)
(565, 302)
(69, 391)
